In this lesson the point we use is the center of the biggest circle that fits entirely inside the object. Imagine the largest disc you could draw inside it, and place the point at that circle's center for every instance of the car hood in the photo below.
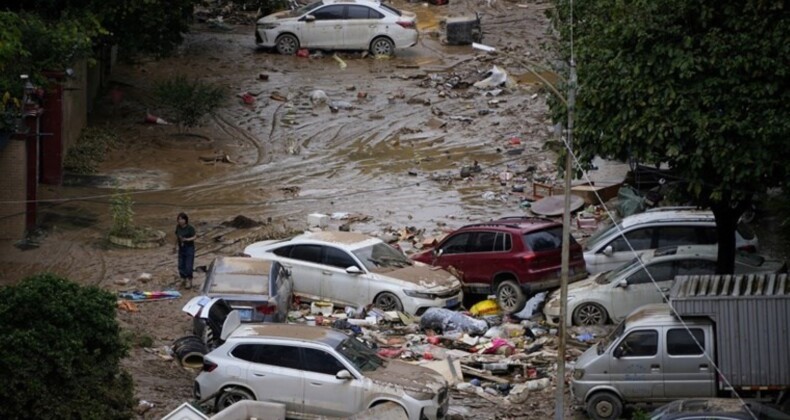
(580, 287)
(277, 17)
(407, 376)
(426, 277)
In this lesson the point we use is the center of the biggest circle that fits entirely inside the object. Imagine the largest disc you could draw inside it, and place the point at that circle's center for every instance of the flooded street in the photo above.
(388, 147)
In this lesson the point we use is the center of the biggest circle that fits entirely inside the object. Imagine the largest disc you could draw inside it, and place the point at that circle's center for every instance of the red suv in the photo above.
(513, 257)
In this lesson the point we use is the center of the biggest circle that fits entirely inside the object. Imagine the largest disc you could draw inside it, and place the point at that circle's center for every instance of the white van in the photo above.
(607, 249)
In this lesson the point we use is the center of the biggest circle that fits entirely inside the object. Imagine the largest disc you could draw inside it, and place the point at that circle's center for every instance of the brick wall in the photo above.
(12, 188)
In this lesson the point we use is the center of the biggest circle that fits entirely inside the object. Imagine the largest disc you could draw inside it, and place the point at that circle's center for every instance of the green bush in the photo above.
(188, 101)
(84, 157)
(122, 215)
(60, 352)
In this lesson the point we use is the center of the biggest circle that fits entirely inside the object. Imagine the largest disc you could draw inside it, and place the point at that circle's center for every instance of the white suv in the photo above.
(315, 371)
(606, 249)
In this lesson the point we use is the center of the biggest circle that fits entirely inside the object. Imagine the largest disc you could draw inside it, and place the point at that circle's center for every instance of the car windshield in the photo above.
(382, 257)
(363, 358)
(598, 236)
(608, 276)
(305, 9)
(607, 340)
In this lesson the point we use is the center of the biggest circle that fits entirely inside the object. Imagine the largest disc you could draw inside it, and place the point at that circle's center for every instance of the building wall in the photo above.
(13, 186)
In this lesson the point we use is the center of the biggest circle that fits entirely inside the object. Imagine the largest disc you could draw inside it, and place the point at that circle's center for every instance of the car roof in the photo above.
(297, 332)
(338, 237)
(522, 223)
(721, 406)
(680, 252)
(241, 265)
(668, 215)
(365, 2)
(657, 314)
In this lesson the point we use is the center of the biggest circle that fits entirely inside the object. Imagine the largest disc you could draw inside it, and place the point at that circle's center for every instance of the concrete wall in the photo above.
(13, 186)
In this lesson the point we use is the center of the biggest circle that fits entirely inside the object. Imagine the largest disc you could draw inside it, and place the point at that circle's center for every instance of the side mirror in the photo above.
(309, 18)
(438, 252)
(618, 352)
(344, 375)
(353, 270)
(608, 251)
(622, 283)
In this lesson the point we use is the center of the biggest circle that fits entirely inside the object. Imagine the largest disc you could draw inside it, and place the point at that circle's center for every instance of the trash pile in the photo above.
(481, 352)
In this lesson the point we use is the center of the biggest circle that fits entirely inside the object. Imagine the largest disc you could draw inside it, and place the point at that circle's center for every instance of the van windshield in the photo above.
(617, 332)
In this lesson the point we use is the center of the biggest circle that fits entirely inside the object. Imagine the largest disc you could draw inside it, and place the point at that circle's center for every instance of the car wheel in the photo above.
(382, 46)
(604, 406)
(287, 44)
(230, 396)
(388, 302)
(590, 314)
(510, 297)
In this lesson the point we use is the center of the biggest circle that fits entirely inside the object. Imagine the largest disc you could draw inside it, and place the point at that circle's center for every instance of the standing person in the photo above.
(185, 243)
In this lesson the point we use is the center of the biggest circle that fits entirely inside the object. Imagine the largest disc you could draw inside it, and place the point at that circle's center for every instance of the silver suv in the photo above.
(606, 249)
(315, 371)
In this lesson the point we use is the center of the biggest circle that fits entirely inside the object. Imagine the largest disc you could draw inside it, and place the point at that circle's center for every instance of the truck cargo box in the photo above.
(752, 318)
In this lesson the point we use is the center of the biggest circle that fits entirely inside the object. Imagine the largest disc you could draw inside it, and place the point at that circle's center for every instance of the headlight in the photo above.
(420, 395)
(578, 374)
(269, 25)
(421, 295)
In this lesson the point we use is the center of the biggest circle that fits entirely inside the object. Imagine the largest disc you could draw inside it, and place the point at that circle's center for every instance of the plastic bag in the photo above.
(532, 306)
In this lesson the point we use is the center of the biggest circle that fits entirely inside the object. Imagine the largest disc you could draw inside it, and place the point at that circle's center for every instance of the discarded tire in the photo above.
(189, 351)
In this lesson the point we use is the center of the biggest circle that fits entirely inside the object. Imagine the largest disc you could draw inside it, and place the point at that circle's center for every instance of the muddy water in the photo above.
(385, 156)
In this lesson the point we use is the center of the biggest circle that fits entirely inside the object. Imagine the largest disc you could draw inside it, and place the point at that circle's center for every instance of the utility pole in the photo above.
(559, 410)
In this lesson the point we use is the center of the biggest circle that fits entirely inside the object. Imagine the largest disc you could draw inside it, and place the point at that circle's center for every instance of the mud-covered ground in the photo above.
(387, 150)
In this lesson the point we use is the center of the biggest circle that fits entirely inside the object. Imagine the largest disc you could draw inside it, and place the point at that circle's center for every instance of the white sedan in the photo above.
(339, 25)
(353, 269)
(610, 296)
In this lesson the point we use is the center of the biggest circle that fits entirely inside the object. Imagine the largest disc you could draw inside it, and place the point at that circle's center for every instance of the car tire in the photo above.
(590, 314)
(382, 46)
(388, 302)
(230, 396)
(604, 406)
(510, 297)
(287, 44)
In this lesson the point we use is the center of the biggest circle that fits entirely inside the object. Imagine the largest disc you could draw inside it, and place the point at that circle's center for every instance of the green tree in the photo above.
(60, 352)
(701, 86)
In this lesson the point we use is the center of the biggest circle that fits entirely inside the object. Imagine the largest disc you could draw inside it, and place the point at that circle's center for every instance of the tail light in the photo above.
(529, 258)
(208, 366)
(748, 248)
(408, 24)
(267, 309)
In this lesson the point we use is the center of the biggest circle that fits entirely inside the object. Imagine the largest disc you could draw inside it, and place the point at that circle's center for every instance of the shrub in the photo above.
(60, 352)
(188, 101)
(122, 215)
(84, 157)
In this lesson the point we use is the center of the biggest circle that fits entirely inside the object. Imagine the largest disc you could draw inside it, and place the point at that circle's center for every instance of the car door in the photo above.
(274, 373)
(640, 289)
(360, 26)
(452, 252)
(338, 285)
(636, 366)
(640, 240)
(325, 395)
(326, 31)
(688, 370)
(304, 262)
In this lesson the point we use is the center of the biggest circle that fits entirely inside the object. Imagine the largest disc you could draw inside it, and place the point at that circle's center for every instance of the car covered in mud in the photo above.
(717, 408)
(315, 371)
(352, 269)
(339, 25)
(260, 290)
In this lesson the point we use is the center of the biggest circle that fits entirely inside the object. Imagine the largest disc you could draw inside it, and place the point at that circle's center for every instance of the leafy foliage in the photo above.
(188, 101)
(83, 158)
(702, 87)
(122, 215)
(60, 352)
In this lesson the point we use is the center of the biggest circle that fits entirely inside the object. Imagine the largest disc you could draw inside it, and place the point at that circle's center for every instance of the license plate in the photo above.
(245, 314)
(451, 302)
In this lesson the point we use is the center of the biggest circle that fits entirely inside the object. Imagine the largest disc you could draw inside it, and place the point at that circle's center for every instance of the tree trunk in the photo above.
(726, 222)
